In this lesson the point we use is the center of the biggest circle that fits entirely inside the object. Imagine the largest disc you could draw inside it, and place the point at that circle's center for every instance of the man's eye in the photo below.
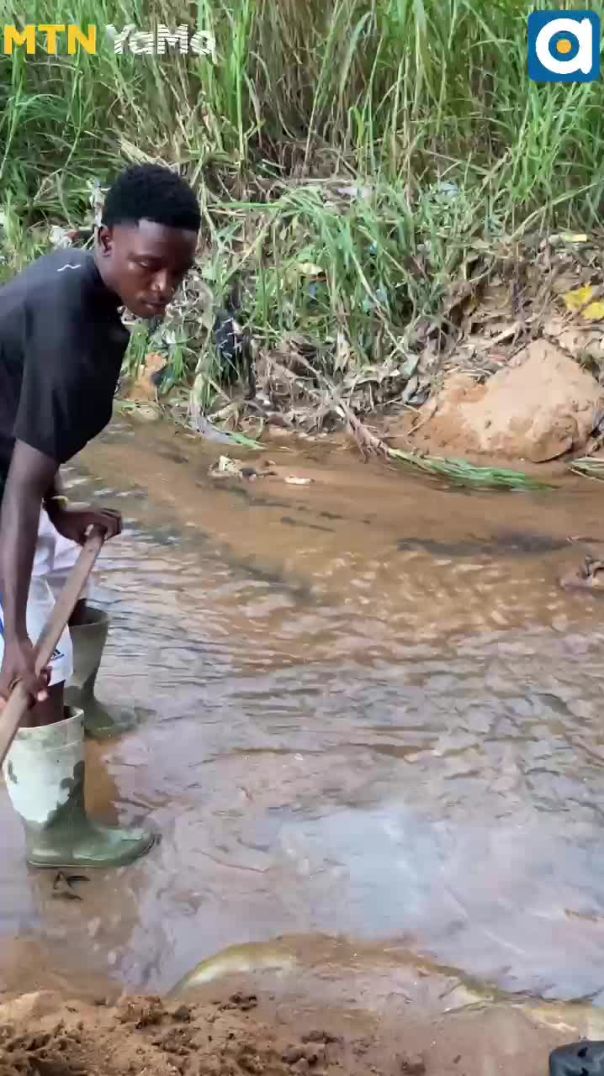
(146, 265)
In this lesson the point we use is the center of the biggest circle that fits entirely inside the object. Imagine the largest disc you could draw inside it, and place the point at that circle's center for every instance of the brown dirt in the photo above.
(41, 1036)
(144, 389)
(244, 1035)
(540, 407)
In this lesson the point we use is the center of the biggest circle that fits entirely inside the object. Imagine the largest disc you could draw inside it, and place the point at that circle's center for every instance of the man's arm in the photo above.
(30, 476)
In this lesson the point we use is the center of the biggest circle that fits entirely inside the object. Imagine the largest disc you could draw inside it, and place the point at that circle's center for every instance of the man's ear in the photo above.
(104, 239)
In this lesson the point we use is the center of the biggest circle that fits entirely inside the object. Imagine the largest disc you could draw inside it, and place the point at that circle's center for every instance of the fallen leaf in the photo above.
(410, 389)
(594, 311)
(343, 352)
(309, 269)
(577, 299)
(293, 480)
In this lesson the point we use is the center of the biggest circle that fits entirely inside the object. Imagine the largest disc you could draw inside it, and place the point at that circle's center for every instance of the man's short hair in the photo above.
(152, 192)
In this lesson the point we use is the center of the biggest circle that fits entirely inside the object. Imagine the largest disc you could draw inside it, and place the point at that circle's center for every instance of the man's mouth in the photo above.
(155, 305)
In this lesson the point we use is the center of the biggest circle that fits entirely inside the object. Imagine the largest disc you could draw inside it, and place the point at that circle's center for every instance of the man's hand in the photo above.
(18, 664)
(74, 523)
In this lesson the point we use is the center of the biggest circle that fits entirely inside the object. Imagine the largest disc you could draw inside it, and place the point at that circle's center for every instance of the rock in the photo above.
(30, 1007)
(182, 1014)
(293, 1054)
(413, 1066)
(538, 408)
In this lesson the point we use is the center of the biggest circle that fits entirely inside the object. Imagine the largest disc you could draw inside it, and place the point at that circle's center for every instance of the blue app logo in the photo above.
(564, 46)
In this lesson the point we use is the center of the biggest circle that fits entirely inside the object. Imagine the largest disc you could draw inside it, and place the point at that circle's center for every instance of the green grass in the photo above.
(393, 96)
(461, 473)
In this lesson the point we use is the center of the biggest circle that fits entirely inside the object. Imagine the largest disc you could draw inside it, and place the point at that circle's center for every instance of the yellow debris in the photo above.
(578, 301)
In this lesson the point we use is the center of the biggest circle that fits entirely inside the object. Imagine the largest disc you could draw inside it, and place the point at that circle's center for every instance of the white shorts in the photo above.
(54, 558)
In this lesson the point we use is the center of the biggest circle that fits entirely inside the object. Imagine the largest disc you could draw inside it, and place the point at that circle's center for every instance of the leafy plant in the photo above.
(462, 473)
(382, 141)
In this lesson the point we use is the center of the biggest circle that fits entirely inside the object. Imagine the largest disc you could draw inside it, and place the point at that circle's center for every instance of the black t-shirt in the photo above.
(62, 343)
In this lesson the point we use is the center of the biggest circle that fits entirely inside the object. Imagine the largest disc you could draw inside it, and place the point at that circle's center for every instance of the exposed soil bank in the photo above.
(228, 1034)
(540, 407)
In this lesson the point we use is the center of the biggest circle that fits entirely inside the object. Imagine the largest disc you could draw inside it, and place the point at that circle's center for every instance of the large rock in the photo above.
(538, 408)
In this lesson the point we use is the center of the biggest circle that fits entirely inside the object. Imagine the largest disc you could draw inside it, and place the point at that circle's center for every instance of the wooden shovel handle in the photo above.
(18, 703)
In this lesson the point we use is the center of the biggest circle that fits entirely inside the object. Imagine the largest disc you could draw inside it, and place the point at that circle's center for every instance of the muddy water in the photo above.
(369, 712)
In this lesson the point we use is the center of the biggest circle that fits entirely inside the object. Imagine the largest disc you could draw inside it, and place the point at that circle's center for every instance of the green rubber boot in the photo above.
(44, 773)
(88, 640)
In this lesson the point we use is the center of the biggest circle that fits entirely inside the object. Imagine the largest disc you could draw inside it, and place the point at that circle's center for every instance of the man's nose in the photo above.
(163, 285)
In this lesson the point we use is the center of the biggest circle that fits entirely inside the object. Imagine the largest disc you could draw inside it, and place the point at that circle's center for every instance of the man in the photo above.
(62, 343)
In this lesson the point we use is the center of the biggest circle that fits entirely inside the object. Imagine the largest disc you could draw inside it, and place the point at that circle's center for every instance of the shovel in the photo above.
(18, 703)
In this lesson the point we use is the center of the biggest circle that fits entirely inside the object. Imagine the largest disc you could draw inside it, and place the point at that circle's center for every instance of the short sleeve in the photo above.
(57, 412)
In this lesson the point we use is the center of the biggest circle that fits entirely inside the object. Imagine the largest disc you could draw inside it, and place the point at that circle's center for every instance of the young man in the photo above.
(62, 343)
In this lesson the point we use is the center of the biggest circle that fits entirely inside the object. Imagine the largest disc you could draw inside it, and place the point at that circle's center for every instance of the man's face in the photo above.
(145, 263)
